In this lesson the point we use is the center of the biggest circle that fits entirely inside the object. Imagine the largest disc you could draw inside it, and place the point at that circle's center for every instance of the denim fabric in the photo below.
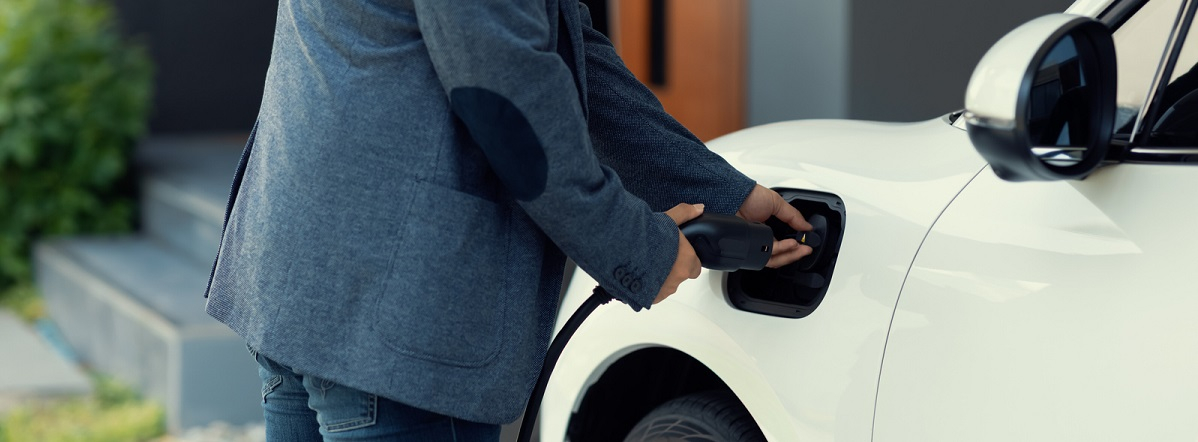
(369, 240)
(302, 408)
(285, 404)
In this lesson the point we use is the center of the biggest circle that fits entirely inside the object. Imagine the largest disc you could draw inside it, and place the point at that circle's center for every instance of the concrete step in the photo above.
(32, 369)
(134, 308)
(184, 190)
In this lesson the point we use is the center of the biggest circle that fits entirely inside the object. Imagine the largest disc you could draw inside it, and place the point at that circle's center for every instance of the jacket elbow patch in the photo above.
(506, 138)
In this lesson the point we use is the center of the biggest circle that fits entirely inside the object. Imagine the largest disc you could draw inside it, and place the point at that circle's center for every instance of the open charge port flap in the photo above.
(795, 290)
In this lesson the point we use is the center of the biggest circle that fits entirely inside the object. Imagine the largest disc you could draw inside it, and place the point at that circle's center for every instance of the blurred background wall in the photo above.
(891, 60)
(770, 60)
(211, 58)
(911, 60)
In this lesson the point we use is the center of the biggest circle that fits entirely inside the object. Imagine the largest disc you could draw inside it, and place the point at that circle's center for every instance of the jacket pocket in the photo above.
(445, 297)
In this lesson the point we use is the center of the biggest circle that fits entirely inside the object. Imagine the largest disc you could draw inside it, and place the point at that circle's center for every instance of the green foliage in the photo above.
(114, 413)
(23, 299)
(73, 100)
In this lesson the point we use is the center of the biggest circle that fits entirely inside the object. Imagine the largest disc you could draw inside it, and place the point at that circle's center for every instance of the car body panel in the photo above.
(827, 363)
(1051, 311)
(822, 377)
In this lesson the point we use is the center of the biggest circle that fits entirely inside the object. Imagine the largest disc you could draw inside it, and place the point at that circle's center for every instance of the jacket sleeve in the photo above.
(659, 160)
(518, 100)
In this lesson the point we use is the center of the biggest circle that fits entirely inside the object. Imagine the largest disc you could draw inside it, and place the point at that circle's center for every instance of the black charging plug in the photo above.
(726, 242)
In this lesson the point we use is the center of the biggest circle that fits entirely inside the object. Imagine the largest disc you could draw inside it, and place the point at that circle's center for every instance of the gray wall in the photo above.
(889, 60)
(911, 60)
(798, 60)
(210, 58)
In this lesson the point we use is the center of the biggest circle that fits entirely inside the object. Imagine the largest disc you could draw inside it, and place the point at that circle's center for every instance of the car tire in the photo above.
(711, 416)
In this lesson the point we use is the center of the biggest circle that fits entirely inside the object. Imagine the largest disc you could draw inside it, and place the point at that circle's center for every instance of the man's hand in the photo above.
(686, 266)
(763, 203)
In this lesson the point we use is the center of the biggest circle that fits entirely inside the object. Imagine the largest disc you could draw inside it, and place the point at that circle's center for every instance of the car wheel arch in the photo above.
(635, 384)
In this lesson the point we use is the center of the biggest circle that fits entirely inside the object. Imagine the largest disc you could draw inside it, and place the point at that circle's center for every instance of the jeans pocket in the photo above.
(340, 408)
(267, 371)
(269, 384)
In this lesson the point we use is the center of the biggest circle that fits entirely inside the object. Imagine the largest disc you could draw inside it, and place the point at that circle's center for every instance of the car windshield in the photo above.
(1139, 48)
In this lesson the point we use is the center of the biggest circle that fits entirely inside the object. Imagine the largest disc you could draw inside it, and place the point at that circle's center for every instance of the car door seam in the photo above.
(903, 285)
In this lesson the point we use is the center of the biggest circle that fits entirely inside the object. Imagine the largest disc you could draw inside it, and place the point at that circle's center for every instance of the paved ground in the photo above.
(30, 368)
(222, 432)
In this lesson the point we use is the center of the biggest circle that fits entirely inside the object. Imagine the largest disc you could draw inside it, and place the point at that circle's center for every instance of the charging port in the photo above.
(795, 290)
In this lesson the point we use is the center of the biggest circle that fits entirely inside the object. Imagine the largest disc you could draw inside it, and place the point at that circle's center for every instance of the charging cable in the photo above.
(597, 298)
(721, 242)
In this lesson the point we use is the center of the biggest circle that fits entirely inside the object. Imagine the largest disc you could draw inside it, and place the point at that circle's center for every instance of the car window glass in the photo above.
(1188, 57)
(1177, 121)
(1139, 47)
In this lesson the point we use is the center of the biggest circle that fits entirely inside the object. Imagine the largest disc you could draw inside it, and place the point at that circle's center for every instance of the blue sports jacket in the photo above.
(419, 171)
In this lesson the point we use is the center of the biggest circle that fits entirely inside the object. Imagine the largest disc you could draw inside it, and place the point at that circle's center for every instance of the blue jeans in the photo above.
(301, 408)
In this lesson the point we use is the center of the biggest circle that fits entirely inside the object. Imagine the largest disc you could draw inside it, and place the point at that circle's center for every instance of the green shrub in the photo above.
(73, 101)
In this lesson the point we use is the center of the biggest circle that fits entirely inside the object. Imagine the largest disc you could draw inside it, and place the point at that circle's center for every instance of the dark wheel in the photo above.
(711, 416)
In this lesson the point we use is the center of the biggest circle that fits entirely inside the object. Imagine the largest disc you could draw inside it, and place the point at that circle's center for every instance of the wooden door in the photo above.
(691, 53)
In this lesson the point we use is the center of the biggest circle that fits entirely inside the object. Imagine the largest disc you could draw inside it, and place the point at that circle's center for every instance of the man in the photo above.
(394, 243)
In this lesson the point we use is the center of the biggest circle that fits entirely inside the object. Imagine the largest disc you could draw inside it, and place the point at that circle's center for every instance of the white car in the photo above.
(961, 306)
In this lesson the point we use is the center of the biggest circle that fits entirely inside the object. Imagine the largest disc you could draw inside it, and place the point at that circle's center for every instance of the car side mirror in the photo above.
(1041, 104)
